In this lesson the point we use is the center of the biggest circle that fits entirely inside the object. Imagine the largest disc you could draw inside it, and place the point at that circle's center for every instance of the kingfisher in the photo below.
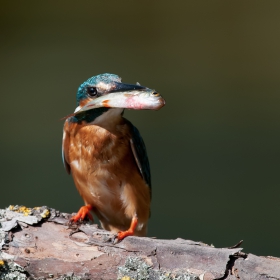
(106, 154)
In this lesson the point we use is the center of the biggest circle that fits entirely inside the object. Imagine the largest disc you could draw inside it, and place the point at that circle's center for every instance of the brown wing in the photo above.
(65, 147)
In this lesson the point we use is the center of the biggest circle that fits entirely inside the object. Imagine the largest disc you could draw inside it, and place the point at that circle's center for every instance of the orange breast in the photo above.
(106, 174)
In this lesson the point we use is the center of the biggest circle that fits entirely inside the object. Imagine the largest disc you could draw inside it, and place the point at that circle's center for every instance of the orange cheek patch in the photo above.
(105, 103)
(84, 102)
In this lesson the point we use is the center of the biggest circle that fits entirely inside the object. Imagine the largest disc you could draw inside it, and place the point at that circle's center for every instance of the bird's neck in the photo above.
(90, 115)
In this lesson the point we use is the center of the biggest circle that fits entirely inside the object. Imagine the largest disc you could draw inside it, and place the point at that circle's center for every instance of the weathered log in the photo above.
(40, 244)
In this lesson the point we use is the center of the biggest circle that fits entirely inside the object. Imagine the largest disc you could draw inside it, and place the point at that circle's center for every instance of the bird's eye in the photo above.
(92, 91)
(155, 93)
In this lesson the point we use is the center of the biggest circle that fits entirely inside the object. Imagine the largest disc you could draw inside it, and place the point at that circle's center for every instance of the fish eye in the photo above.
(91, 91)
(154, 93)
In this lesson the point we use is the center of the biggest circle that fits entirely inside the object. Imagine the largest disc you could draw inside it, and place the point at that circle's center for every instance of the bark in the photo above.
(40, 244)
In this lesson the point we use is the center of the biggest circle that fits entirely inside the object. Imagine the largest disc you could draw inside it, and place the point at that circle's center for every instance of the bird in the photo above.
(107, 158)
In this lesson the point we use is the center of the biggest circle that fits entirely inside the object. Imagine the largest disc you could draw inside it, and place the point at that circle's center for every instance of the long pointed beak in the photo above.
(125, 96)
(120, 87)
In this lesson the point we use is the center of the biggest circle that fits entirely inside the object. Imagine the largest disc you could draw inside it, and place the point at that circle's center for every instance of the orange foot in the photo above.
(82, 213)
(130, 231)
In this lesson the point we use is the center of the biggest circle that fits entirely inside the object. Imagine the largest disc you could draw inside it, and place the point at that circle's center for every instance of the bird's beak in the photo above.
(125, 96)
(120, 87)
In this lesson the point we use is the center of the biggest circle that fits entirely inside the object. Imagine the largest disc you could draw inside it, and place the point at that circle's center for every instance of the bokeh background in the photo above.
(214, 148)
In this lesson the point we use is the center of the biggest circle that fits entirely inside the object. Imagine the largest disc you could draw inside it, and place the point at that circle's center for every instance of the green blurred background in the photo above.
(214, 148)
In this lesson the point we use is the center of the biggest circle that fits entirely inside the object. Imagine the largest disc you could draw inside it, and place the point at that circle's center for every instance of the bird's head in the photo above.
(108, 92)
(96, 86)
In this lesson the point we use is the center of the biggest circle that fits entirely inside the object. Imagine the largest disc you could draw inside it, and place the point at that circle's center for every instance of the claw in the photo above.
(130, 231)
(82, 213)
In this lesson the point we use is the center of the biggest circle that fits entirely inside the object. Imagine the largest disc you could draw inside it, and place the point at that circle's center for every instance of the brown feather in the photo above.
(105, 171)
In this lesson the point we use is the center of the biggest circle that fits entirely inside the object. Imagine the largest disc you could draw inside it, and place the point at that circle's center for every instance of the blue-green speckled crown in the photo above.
(93, 81)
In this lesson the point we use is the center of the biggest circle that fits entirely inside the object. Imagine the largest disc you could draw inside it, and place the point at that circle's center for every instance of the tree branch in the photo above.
(40, 244)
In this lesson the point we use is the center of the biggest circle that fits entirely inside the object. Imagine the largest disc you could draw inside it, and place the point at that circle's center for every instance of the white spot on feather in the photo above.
(104, 86)
(123, 195)
(77, 109)
(140, 226)
(76, 164)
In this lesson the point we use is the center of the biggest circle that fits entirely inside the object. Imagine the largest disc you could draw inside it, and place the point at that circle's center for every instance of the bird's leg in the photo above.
(130, 231)
(82, 213)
